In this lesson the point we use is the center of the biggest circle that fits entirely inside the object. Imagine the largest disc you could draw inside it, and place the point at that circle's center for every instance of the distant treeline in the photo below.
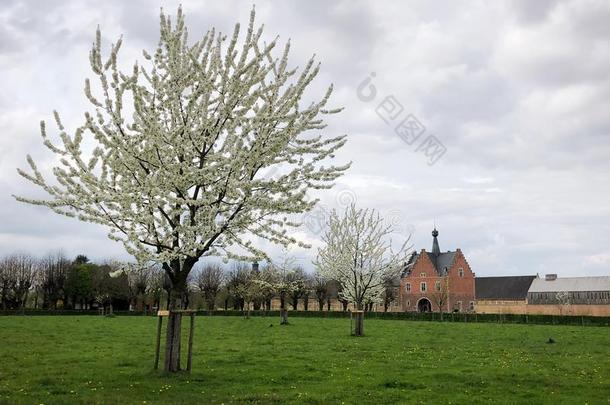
(55, 282)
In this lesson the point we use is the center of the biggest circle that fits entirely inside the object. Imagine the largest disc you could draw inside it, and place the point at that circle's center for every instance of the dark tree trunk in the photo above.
(25, 301)
(359, 330)
(283, 316)
(321, 304)
(211, 301)
(306, 302)
(172, 343)
(283, 313)
(177, 302)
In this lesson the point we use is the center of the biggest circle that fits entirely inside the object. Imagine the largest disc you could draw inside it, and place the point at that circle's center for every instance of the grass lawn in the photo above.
(91, 359)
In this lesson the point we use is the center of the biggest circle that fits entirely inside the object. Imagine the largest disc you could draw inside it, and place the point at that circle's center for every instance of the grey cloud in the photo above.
(533, 11)
(518, 92)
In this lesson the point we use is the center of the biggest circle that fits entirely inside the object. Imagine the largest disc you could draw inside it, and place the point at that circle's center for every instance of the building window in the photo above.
(461, 272)
(408, 303)
(422, 287)
(422, 274)
(458, 306)
(437, 286)
(471, 305)
(408, 287)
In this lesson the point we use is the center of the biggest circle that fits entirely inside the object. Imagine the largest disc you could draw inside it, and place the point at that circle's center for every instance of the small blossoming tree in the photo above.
(256, 288)
(181, 145)
(358, 254)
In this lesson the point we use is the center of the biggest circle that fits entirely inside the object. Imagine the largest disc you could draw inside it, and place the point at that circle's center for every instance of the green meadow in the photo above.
(100, 360)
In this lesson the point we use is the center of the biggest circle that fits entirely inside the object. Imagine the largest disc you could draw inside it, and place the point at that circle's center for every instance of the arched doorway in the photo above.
(424, 305)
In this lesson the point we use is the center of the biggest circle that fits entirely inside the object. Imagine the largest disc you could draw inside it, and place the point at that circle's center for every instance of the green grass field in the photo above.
(90, 359)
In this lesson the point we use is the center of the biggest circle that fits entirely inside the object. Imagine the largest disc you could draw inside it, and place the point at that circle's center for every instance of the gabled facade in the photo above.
(435, 281)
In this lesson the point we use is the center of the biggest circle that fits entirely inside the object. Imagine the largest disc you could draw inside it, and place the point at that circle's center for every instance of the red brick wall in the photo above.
(459, 288)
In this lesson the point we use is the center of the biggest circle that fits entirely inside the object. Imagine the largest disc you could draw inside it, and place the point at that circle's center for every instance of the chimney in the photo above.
(550, 277)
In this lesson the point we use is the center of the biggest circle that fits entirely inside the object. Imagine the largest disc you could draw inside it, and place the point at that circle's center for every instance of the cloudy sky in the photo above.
(517, 94)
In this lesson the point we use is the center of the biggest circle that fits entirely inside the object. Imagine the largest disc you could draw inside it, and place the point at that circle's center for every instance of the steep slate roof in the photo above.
(571, 284)
(442, 261)
(502, 288)
(409, 265)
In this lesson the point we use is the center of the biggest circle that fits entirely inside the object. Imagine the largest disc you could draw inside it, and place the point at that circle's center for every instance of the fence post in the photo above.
(189, 361)
(158, 345)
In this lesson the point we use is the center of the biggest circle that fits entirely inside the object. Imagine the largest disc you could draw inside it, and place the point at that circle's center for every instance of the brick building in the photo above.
(435, 280)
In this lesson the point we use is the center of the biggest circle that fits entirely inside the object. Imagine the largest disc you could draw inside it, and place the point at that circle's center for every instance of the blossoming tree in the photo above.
(181, 146)
(358, 254)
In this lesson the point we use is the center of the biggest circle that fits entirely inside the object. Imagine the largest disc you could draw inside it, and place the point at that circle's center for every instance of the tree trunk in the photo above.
(211, 303)
(283, 313)
(359, 329)
(283, 316)
(246, 311)
(178, 278)
(172, 342)
(24, 302)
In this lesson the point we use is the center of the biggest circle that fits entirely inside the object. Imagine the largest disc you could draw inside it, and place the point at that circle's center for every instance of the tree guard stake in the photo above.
(166, 313)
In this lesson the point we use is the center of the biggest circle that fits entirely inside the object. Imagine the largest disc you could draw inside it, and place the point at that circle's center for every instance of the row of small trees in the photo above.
(242, 287)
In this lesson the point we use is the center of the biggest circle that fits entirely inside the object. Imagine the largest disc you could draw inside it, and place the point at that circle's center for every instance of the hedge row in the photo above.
(415, 316)
(435, 316)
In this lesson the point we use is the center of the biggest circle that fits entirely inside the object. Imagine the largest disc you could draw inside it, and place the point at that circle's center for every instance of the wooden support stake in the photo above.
(189, 360)
(158, 347)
